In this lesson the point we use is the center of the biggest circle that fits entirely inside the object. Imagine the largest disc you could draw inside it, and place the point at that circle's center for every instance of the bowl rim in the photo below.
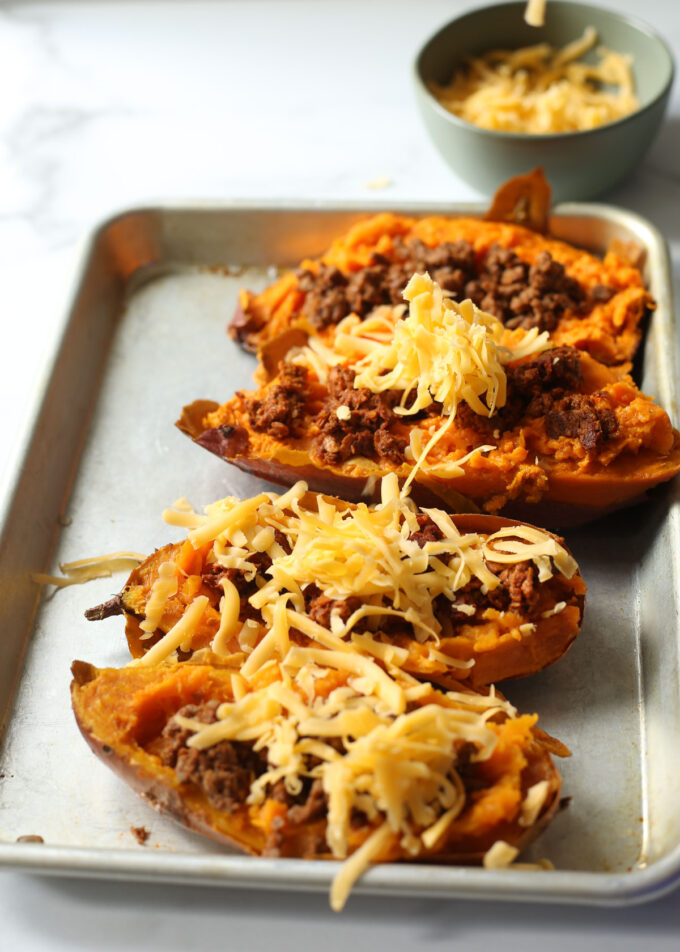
(640, 25)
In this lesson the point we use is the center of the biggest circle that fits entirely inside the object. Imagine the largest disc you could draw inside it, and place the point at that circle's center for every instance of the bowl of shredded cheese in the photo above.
(581, 95)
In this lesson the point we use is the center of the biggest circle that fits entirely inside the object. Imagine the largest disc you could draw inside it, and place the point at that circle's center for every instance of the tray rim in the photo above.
(587, 887)
(425, 880)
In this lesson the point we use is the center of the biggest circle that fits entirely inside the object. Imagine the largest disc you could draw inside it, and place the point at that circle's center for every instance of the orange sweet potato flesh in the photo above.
(495, 642)
(610, 330)
(138, 588)
(121, 713)
(529, 475)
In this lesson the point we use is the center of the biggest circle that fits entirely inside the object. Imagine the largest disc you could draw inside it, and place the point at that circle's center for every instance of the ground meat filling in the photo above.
(544, 387)
(451, 264)
(519, 294)
(523, 295)
(367, 431)
(518, 585)
(320, 607)
(302, 810)
(224, 771)
(213, 573)
(280, 413)
(325, 295)
(559, 368)
(518, 590)
(331, 295)
(579, 416)
(428, 531)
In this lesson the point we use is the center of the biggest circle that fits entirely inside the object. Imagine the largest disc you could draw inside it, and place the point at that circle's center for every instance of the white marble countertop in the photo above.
(107, 105)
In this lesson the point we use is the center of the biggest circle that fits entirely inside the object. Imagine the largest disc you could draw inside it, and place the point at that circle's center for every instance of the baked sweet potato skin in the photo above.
(121, 712)
(523, 200)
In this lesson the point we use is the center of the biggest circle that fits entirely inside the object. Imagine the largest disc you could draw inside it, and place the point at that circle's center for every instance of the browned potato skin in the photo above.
(118, 711)
(506, 658)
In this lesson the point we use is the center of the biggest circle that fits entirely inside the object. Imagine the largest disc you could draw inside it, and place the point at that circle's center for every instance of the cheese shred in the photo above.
(84, 570)
(541, 90)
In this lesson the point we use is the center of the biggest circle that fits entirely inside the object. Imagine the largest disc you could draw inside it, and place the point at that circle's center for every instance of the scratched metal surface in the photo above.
(146, 336)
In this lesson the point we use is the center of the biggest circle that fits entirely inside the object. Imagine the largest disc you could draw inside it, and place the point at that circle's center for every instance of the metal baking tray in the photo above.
(144, 336)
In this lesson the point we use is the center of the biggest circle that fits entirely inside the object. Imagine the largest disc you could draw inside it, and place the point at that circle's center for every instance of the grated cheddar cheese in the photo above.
(397, 767)
(358, 552)
(445, 352)
(539, 89)
(442, 351)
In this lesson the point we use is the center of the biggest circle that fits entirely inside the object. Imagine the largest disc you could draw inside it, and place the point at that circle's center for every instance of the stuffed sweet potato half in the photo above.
(446, 396)
(309, 761)
(469, 598)
(524, 278)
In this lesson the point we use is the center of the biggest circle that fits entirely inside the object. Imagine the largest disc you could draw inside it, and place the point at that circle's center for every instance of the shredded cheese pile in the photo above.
(396, 766)
(445, 352)
(347, 551)
(442, 351)
(538, 89)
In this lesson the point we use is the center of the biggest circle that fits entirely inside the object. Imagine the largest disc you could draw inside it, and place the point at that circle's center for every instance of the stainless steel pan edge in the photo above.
(574, 888)
(23, 552)
(580, 887)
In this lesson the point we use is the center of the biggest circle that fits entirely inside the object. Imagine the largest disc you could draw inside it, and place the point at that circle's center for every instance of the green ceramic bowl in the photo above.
(578, 165)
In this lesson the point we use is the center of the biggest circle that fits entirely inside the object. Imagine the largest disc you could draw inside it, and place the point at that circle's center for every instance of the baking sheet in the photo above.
(146, 336)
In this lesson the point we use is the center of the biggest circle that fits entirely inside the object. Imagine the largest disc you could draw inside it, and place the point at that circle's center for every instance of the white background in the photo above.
(104, 106)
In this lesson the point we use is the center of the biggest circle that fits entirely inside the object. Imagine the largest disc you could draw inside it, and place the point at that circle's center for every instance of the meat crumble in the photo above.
(226, 770)
(516, 292)
(591, 422)
(331, 295)
(367, 430)
(518, 588)
(319, 607)
(545, 386)
(523, 295)
(281, 412)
